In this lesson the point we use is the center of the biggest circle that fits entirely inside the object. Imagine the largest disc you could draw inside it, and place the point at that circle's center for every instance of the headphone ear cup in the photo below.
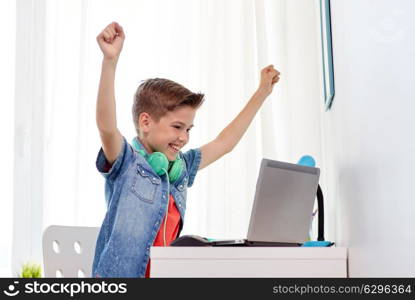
(176, 170)
(159, 162)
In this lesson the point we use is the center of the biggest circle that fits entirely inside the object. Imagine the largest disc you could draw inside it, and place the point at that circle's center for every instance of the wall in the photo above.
(368, 135)
(364, 144)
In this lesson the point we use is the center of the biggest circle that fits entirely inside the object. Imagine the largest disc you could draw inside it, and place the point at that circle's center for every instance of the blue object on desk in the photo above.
(317, 244)
(309, 161)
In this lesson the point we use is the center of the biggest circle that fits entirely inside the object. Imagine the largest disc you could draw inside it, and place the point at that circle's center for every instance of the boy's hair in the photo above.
(157, 96)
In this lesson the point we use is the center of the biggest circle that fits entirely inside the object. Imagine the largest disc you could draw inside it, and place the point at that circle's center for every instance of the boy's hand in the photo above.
(110, 40)
(269, 77)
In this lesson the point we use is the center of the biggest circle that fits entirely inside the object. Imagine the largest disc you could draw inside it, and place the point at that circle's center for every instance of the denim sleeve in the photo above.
(192, 159)
(119, 165)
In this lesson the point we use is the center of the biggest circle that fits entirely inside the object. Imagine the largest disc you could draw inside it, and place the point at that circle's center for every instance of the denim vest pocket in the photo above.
(145, 185)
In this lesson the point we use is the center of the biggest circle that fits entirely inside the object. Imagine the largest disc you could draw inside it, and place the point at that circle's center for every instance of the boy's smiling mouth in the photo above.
(174, 147)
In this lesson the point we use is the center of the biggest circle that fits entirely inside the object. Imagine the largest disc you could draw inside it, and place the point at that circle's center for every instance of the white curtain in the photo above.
(216, 47)
(7, 52)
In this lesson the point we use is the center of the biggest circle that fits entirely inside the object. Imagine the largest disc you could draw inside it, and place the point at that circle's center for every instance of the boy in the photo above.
(146, 199)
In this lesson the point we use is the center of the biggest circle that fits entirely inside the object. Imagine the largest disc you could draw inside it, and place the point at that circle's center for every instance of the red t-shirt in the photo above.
(172, 228)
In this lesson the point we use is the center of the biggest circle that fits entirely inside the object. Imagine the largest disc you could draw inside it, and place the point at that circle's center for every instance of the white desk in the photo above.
(248, 262)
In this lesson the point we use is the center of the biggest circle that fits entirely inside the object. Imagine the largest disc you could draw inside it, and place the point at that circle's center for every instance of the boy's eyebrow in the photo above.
(181, 123)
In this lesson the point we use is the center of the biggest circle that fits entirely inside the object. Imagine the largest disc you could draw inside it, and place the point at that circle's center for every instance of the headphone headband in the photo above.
(159, 162)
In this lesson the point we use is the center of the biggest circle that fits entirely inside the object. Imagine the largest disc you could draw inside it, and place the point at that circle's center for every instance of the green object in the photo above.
(159, 162)
(31, 270)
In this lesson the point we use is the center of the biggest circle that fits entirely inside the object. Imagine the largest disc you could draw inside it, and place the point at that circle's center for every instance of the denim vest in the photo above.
(137, 200)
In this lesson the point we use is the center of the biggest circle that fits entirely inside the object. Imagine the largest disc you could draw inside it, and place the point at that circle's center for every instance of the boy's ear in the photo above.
(144, 122)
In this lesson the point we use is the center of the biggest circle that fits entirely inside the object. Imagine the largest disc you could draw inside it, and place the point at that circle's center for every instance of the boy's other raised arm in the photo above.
(231, 135)
(110, 41)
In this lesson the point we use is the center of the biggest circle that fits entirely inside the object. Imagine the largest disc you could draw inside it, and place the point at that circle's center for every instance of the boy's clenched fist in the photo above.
(110, 40)
(269, 76)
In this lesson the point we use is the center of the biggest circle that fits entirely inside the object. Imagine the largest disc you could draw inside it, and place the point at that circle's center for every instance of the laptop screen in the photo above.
(283, 203)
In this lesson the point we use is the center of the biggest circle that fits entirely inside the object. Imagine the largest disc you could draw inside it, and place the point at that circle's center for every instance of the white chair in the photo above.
(68, 251)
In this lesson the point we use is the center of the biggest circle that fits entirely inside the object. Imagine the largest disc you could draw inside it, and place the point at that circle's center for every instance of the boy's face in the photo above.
(170, 133)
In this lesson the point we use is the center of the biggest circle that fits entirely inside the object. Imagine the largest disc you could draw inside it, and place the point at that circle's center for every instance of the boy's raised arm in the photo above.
(231, 135)
(110, 41)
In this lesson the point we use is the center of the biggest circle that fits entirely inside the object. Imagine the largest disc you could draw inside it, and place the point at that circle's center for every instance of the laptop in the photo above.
(283, 205)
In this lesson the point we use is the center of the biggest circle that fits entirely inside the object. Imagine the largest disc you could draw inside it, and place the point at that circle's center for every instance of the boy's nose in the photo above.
(183, 138)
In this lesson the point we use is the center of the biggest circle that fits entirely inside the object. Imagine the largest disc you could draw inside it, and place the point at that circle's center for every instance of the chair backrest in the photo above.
(68, 251)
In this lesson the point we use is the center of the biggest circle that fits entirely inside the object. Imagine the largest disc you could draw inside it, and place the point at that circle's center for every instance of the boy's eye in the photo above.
(179, 127)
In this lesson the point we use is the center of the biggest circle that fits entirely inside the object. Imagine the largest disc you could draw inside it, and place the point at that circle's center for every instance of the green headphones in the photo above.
(159, 162)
